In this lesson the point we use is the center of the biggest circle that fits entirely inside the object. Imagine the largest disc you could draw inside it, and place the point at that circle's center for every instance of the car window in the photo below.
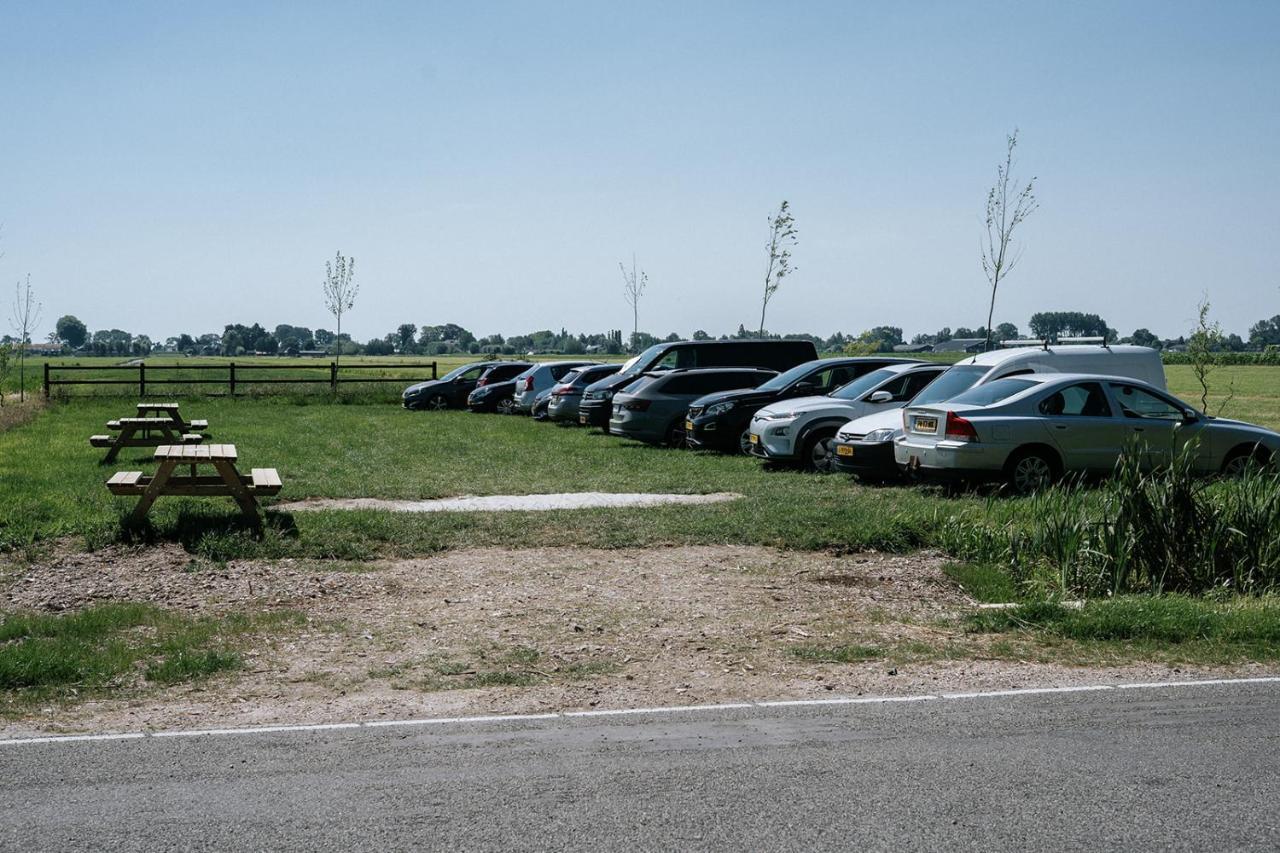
(917, 381)
(1137, 403)
(864, 383)
(473, 374)
(950, 383)
(560, 370)
(1085, 400)
(992, 392)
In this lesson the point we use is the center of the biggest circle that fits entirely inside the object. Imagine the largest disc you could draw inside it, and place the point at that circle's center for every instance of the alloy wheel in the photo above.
(437, 403)
(744, 442)
(1032, 473)
(506, 405)
(820, 455)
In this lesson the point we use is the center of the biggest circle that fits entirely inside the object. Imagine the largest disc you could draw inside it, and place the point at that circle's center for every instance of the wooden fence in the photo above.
(233, 375)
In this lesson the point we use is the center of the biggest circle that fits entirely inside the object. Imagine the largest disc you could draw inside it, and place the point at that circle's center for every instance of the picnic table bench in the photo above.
(170, 411)
(226, 481)
(142, 432)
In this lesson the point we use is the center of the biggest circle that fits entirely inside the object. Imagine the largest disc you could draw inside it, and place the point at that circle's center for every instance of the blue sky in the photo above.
(170, 167)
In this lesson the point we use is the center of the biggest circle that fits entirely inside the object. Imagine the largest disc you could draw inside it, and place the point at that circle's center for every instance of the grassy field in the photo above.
(51, 483)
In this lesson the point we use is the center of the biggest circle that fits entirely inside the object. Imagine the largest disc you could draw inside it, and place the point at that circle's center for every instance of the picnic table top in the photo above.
(147, 421)
(158, 407)
(196, 452)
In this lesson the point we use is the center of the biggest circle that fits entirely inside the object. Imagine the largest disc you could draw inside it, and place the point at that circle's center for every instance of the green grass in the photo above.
(852, 653)
(1173, 626)
(985, 583)
(117, 645)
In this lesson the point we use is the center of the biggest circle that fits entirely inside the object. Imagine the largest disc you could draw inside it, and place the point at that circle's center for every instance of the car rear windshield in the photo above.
(955, 381)
(992, 392)
(863, 384)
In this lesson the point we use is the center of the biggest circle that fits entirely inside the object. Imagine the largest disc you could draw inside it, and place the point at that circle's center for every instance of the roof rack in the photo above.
(1045, 343)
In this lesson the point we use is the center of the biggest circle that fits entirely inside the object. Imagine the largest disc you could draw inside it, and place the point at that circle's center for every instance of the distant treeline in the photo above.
(73, 336)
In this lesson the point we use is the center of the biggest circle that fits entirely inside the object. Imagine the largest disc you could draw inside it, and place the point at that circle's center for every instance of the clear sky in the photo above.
(177, 167)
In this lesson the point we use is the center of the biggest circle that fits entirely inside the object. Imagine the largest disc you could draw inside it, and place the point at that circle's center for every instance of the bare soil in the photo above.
(508, 503)
(518, 631)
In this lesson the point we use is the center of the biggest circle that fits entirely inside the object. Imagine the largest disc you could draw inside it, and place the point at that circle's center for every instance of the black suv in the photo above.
(722, 421)
(597, 401)
(495, 391)
(449, 391)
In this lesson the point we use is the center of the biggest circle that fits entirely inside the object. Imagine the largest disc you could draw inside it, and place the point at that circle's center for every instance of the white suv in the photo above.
(801, 430)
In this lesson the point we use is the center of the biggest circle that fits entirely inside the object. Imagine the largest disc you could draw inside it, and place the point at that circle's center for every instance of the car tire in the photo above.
(505, 406)
(1032, 469)
(1244, 459)
(436, 403)
(816, 456)
(675, 434)
(744, 442)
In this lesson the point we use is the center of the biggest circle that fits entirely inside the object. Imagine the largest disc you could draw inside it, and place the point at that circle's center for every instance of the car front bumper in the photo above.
(595, 412)
(775, 440)
(873, 460)
(711, 434)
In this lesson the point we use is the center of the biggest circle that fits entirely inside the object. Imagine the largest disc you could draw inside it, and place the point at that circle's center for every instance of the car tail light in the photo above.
(636, 405)
(959, 429)
(528, 383)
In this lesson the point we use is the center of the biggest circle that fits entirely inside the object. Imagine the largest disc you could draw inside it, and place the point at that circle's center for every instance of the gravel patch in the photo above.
(508, 503)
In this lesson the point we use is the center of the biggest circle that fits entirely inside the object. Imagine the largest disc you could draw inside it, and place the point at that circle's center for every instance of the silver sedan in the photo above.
(1029, 430)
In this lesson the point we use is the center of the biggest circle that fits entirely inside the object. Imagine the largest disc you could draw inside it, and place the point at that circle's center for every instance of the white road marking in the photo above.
(564, 715)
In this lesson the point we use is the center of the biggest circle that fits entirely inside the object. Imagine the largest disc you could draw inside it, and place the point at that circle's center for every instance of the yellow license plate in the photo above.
(688, 426)
(754, 439)
(926, 425)
(844, 450)
(582, 419)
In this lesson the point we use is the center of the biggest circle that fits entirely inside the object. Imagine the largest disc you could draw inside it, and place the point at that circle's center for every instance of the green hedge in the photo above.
(1266, 357)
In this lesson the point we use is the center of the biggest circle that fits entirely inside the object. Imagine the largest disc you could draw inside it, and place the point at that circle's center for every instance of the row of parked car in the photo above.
(1025, 415)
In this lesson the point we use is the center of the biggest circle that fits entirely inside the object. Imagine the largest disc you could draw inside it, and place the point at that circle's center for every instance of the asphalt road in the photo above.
(1191, 768)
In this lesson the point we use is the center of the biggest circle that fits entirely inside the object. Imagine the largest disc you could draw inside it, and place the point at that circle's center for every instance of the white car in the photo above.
(800, 430)
(865, 446)
(1030, 430)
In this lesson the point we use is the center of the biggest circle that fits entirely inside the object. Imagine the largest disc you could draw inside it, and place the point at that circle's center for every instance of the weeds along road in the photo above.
(1183, 768)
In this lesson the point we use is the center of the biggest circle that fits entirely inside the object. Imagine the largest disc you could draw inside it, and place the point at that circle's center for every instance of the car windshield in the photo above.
(955, 381)
(456, 372)
(863, 384)
(641, 362)
(783, 380)
(992, 392)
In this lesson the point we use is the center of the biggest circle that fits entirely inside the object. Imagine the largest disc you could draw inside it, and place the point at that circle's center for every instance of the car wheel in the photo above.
(506, 406)
(675, 434)
(437, 403)
(744, 442)
(1241, 461)
(817, 452)
(1030, 471)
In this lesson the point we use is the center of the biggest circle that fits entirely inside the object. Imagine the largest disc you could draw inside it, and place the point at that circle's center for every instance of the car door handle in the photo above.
(1059, 426)
(1139, 429)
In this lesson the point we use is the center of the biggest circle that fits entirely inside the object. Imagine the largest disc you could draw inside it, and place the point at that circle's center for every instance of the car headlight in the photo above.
(718, 408)
(776, 416)
(604, 395)
(878, 435)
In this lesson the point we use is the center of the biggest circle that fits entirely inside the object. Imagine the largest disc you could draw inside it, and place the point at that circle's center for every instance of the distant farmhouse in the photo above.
(961, 345)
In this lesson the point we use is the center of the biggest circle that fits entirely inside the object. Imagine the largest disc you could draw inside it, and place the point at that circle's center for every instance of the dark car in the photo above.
(495, 392)
(562, 405)
(597, 402)
(449, 391)
(721, 421)
(653, 407)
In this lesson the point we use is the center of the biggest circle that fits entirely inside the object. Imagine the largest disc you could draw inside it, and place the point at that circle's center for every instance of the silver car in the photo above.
(538, 378)
(1029, 430)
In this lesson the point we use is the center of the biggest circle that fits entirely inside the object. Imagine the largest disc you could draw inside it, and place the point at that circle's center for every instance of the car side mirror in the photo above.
(880, 397)
(805, 388)
(1190, 417)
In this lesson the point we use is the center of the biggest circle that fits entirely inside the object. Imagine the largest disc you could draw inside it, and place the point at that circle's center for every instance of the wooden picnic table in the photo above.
(142, 432)
(170, 411)
(226, 481)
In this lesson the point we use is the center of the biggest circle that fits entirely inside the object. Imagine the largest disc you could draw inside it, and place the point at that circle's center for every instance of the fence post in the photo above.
(232, 366)
(46, 380)
(142, 379)
(433, 370)
(333, 376)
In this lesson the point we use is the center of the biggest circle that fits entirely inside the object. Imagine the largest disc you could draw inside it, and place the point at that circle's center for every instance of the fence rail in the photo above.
(234, 374)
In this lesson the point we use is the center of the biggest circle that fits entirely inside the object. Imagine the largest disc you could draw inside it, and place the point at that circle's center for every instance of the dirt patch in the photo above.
(514, 631)
(509, 503)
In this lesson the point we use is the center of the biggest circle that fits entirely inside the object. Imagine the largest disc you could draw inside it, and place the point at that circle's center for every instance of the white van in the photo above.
(865, 446)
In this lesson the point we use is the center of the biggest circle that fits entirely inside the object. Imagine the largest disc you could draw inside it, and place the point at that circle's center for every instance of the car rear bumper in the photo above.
(948, 460)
